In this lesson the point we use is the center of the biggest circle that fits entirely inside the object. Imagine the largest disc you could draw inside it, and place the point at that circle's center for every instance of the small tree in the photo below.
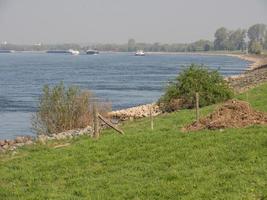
(196, 78)
(255, 47)
(62, 109)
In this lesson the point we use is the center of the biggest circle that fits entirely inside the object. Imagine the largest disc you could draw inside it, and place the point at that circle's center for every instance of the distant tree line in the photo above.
(254, 40)
(236, 40)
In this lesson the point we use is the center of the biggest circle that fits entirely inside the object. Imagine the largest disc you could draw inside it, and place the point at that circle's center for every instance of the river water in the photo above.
(121, 78)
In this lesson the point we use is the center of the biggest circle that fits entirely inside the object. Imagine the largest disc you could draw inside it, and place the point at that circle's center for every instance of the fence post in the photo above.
(197, 107)
(151, 118)
(96, 124)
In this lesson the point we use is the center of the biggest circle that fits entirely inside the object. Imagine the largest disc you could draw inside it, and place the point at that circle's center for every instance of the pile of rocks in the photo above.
(136, 112)
(19, 141)
(65, 135)
(10, 145)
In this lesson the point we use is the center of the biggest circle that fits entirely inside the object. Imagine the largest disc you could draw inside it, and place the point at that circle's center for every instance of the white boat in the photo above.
(74, 52)
(140, 53)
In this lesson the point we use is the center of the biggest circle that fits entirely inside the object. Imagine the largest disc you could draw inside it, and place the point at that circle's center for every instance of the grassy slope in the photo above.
(163, 164)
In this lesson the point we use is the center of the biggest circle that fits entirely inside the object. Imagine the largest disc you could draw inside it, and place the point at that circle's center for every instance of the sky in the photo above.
(116, 21)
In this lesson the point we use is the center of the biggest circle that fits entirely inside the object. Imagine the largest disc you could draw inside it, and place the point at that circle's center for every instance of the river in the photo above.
(121, 78)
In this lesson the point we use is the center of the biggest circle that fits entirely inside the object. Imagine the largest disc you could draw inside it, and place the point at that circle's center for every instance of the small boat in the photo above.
(74, 52)
(92, 52)
(7, 51)
(140, 53)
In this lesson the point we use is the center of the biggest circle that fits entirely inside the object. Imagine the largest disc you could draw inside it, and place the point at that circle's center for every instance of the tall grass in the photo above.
(62, 109)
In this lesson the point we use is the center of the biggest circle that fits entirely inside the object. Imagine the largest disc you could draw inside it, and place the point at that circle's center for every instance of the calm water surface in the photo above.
(121, 78)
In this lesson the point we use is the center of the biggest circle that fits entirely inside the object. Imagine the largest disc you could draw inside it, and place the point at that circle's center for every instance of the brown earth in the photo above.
(232, 114)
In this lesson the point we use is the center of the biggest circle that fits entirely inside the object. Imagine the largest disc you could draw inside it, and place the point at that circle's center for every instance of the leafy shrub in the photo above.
(180, 93)
(62, 109)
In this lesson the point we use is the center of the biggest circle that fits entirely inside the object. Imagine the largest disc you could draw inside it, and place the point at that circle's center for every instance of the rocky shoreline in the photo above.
(19, 141)
(255, 75)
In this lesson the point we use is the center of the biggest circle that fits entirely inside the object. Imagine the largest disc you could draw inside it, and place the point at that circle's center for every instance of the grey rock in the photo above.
(29, 142)
(19, 139)
(27, 138)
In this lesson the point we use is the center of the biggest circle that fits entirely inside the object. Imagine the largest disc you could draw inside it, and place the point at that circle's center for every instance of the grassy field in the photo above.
(144, 164)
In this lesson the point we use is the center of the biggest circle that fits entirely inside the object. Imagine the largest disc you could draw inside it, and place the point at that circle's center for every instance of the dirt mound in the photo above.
(232, 114)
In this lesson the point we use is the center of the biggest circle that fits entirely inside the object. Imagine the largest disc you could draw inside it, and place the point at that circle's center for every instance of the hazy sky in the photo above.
(115, 21)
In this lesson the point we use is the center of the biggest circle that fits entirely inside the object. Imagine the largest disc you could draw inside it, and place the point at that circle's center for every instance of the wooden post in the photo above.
(151, 118)
(197, 107)
(110, 124)
(96, 124)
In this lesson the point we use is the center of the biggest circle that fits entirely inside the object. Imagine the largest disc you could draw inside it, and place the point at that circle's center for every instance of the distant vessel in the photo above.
(57, 51)
(70, 51)
(92, 52)
(140, 53)
(7, 51)
(74, 52)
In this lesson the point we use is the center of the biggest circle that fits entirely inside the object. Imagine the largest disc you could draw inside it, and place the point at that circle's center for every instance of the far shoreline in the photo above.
(256, 60)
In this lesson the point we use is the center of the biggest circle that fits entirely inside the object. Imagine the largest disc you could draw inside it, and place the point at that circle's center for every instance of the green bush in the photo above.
(180, 93)
(62, 109)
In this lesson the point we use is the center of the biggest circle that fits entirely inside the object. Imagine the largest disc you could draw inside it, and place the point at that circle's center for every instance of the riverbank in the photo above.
(255, 75)
(256, 60)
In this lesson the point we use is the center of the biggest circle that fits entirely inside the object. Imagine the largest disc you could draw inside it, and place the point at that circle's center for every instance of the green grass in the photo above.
(257, 97)
(144, 164)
